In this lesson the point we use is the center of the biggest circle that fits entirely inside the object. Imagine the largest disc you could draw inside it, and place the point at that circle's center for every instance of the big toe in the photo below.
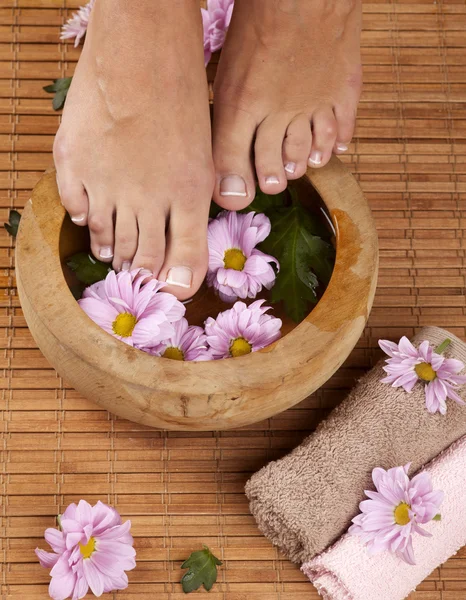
(186, 256)
(233, 135)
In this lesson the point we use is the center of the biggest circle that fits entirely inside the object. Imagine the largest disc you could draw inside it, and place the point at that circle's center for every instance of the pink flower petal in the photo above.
(46, 559)
(93, 577)
(61, 588)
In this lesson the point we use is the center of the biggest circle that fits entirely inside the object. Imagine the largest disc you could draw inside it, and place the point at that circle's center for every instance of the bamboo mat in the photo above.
(184, 489)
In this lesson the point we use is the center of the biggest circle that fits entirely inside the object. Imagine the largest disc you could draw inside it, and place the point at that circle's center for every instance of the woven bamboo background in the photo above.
(184, 489)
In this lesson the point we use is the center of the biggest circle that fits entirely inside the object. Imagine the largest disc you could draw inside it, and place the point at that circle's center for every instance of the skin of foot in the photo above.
(133, 152)
(286, 93)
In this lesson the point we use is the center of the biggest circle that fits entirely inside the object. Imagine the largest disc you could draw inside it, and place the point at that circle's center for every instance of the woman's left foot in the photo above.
(286, 93)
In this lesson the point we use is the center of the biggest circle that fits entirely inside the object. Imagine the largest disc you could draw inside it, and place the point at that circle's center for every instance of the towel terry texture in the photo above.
(306, 500)
(347, 572)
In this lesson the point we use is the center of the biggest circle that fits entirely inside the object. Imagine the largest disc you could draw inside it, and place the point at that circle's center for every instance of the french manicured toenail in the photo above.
(342, 147)
(233, 185)
(78, 218)
(316, 157)
(126, 265)
(272, 180)
(180, 276)
(290, 167)
(106, 252)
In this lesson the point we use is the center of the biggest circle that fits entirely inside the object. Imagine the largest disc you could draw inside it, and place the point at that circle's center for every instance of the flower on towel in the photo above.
(216, 20)
(394, 513)
(241, 329)
(188, 343)
(92, 549)
(131, 307)
(407, 365)
(236, 267)
(76, 27)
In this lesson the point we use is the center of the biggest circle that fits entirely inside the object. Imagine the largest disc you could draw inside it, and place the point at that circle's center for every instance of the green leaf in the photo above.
(263, 203)
(13, 223)
(437, 517)
(305, 259)
(214, 210)
(87, 269)
(58, 101)
(202, 567)
(77, 290)
(60, 88)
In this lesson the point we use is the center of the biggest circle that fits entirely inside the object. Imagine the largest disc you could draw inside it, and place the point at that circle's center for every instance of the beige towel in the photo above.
(306, 500)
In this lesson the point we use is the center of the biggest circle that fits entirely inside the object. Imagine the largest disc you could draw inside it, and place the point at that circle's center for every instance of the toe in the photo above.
(186, 259)
(73, 197)
(151, 241)
(100, 223)
(297, 146)
(324, 135)
(233, 134)
(268, 154)
(71, 189)
(346, 118)
(126, 239)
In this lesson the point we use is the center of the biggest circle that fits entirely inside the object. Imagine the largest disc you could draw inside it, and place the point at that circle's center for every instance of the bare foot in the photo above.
(133, 152)
(286, 93)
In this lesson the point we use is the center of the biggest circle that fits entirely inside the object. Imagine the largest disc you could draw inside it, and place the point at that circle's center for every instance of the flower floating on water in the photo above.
(93, 550)
(236, 267)
(132, 308)
(216, 20)
(407, 365)
(394, 513)
(187, 343)
(76, 27)
(242, 329)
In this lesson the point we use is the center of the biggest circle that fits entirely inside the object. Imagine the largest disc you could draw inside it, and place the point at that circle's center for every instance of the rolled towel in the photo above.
(305, 501)
(347, 572)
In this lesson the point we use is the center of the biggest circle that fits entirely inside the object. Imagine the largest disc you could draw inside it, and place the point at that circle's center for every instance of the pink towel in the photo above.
(346, 572)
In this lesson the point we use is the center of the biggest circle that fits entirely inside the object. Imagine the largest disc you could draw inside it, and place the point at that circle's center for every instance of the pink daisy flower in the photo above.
(216, 20)
(407, 365)
(134, 312)
(93, 550)
(393, 513)
(76, 27)
(242, 329)
(236, 267)
(188, 343)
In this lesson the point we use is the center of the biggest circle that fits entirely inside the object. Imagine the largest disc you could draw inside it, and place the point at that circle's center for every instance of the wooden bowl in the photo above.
(192, 396)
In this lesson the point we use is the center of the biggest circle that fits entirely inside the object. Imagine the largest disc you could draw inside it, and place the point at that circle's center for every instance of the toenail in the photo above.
(272, 180)
(316, 157)
(180, 276)
(78, 218)
(233, 185)
(126, 265)
(290, 167)
(106, 252)
(342, 147)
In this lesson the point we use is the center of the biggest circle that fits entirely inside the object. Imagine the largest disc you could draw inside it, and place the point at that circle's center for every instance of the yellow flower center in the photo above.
(173, 353)
(240, 347)
(425, 372)
(88, 549)
(234, 259)
(401, 513)
(124, 324)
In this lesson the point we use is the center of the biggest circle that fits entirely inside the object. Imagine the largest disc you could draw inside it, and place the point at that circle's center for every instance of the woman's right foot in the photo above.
(286, 93)
(133, 152)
